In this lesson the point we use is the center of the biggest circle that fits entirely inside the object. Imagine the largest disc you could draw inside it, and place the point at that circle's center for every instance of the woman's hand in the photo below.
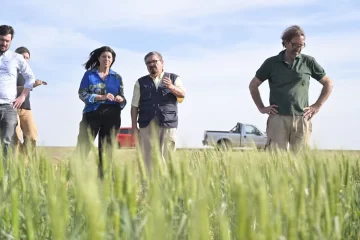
(108, 96)
(119, 99)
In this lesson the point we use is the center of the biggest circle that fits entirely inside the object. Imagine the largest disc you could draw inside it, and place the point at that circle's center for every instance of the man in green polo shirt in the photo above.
(289, 73)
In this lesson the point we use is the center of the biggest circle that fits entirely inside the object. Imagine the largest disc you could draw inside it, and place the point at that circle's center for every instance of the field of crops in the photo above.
(199, 195)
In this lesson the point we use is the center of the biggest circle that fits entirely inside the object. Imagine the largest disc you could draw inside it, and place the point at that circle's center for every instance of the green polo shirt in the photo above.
(289, 84)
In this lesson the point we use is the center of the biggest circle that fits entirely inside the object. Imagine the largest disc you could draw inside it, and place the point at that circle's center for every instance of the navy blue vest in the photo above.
(160, 102)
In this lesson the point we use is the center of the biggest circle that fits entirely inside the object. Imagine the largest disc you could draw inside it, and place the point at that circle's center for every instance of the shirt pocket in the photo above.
(145, 94)
(8, 68)
(302, 78)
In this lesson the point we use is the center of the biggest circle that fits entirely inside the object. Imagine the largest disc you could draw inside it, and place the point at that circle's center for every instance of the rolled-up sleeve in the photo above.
(317, 71)
(136, 95)
(121, 93)
(263, 73)
(178, 83)
(84, 93)
(27, 73)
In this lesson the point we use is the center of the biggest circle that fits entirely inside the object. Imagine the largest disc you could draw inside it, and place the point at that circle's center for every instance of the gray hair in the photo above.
(153, 53)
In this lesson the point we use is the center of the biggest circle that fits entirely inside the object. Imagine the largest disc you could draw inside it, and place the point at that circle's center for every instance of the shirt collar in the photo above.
(281, 56)
(111, 72)
(160, 76)
(6, 53)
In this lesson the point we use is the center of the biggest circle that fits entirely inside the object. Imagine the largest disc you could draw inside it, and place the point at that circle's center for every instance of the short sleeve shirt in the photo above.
(289, 84)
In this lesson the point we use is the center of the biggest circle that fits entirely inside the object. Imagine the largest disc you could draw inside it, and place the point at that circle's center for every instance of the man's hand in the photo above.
(270, 110)
(325, 93)
(119, 99)
(311, 111)
(167, 82)
(39, 82)
(135, 133)
(19, 101)
(134, 126)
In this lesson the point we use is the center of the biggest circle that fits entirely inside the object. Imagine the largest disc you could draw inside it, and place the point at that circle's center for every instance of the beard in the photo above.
(3, 51)
(295, 51)
(153, 70)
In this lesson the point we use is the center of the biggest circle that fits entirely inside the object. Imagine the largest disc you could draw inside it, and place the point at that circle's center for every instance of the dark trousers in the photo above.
(105, 122)
(8, 123)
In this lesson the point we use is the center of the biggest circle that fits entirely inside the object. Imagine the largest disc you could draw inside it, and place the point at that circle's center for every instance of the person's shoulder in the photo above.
(273, 58)
(115, 73)
(15, 55)
(12, 53)
(147, 76)
(90, 72)
(307, 58)
(303, 55)
(173, 76)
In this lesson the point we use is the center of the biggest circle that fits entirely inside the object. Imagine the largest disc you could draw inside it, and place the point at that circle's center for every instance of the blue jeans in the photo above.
(8, 122)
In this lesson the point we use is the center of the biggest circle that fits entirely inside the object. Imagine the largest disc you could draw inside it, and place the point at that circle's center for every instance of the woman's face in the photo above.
(105, 59)
(26, 56)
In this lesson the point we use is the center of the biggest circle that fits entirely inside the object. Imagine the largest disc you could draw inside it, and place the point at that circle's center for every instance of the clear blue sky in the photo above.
(215, 47)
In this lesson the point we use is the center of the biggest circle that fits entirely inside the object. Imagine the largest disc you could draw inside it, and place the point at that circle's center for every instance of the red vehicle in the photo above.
(125, 138)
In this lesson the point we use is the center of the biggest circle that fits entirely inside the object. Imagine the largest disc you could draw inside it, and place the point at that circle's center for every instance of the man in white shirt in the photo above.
(10, 64)
(155, 104)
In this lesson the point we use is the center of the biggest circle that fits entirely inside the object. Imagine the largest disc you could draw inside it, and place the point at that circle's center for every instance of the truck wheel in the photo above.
(224, 145)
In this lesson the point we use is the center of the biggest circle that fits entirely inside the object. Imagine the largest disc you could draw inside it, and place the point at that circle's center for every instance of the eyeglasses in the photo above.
(152, 62)
(297, 45)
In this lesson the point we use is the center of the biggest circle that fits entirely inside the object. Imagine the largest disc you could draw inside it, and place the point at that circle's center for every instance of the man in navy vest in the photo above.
(155, 108)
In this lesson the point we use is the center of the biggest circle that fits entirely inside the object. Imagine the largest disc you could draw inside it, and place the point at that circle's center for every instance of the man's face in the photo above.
(26, 56)
(295, 46)
(154, 64)
(5, 41)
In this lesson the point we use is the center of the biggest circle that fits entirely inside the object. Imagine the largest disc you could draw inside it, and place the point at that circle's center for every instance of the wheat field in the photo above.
(199, 194)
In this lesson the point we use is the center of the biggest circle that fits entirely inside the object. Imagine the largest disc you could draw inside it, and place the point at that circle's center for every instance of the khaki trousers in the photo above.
(285, 132)
(25, 130)
(154, 137)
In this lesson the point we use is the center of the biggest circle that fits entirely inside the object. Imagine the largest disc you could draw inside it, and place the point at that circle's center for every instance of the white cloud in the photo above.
(147, 14)
(333, 48)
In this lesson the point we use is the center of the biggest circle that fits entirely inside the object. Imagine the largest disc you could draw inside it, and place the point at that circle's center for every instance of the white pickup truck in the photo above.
(240, 136)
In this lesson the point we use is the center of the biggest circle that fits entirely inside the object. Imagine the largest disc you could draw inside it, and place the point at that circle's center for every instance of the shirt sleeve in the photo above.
(84, 91)
(263, 73)
(317, 72)
(27, 73)
(136, 95)
(178, 83)
(121, 93)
